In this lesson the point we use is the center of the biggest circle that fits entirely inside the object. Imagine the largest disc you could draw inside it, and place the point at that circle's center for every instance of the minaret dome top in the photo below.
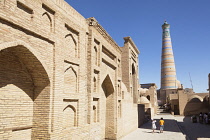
(165, 25)
(165, 22)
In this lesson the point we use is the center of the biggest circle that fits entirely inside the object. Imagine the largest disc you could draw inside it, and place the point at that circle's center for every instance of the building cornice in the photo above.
(93, 22)
(128, 39)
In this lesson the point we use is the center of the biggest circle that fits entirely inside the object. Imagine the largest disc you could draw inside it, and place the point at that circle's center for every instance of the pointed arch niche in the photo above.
(95, 112)
(70, 79)
(94, 84)
(96, 52)
(108, 90)
(70, 113)
(95, 81)
(69, 116)
(47, 21)
(48, 18)
(71, 42)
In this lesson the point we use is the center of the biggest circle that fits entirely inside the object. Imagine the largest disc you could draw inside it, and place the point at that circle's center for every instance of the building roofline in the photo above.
(129, 39)
(93, 22)
(151, 84)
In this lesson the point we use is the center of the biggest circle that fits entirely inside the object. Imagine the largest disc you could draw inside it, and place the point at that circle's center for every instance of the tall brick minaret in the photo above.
(168, 70)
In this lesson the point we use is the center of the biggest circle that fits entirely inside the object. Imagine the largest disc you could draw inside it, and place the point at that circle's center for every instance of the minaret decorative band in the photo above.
(168, 70)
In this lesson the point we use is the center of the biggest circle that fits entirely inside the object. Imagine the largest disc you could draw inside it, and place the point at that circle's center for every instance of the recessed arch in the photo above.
(26, 80)
(6, 45)
(70, 35)
(49, 20)
(94, 85)
(133, 69)
(45, 13)
(105, 75)
(96, 55)
(108, 89)
(107, 86)
(119, 90)
(71, 46)
(70, 106)
(72, 70)
(94, 114)
(70, 80)
(70, 116)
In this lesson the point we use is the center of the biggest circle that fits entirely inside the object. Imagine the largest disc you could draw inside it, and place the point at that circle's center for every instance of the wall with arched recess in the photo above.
(41, 27)
(29, 48)
(47, 21)
(108, 108)
(55, 39)
(69, 117)
(25, 85)
(71, 45)
(70, 80)
(195, 104)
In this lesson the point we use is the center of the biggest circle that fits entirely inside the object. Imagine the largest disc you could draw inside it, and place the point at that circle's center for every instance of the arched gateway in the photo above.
(24, 94)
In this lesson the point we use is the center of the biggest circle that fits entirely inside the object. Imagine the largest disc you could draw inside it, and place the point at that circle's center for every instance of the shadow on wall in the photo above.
(25, 90)
(194, 130)
(22, 69)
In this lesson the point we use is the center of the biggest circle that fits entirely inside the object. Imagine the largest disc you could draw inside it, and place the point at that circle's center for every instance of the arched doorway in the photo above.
(24, 95)
(108, 90)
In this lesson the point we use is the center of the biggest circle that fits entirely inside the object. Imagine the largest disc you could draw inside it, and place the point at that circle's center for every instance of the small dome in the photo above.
(165, 22)
(143, 90)
(144, 100)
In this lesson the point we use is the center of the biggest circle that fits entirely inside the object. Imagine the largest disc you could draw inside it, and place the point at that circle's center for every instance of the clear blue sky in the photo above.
(142, 20)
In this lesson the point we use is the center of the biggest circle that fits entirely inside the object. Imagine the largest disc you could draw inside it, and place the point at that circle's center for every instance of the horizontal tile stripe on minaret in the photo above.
(164, 76)
(166, 41)
(168, 71)
(169, 87)
(166, 44)
(166, 48)
(167, 58)
(168, 81)
(167, 51)
(168, 67)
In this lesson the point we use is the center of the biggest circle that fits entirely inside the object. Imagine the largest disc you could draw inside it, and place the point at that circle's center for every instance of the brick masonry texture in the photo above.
(62, 76)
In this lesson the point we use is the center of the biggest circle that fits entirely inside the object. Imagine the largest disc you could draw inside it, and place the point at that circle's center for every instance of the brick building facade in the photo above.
(62, 76)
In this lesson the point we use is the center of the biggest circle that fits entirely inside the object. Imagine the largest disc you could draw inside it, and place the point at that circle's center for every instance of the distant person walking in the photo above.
(201, 117)
(153, 125)
(205, 118)
(161, 122)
